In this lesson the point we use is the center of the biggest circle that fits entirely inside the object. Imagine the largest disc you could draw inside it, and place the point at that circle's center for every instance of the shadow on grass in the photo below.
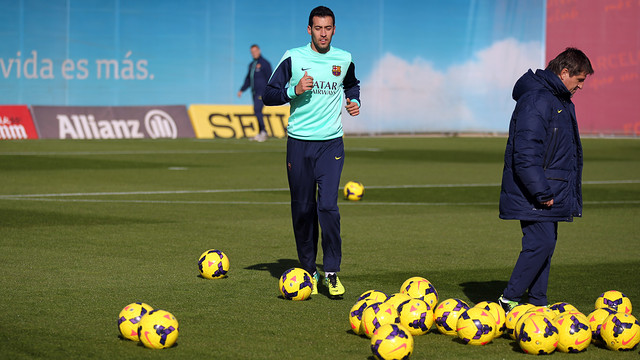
(140, 344)
(458, 341)
(353, 333)
(478, 291)
(275, 268)
(220, 278)
(175, 345)
(515, 347)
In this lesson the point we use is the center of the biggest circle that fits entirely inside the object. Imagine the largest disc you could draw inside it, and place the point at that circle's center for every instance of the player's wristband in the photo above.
(291, 92)
(356, 101)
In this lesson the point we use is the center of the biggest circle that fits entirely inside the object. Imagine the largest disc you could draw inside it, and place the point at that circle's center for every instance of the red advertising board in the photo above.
(16, 123)
(608, 31)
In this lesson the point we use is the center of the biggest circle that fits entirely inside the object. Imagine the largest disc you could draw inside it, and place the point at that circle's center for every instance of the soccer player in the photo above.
(257, 77)
(542, 175)
(312, 78)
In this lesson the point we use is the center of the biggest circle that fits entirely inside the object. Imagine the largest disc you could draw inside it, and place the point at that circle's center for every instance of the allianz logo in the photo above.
(11, 131)
(157, 123)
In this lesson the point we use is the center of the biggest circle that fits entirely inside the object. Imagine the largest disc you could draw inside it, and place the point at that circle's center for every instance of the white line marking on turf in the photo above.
(608, 182)
(154, 152)
(168, 192)
(364, 203)
(425, 186)
(136, 152)
(196, 202)
(596, 182)
(213, 191)
(612, 202)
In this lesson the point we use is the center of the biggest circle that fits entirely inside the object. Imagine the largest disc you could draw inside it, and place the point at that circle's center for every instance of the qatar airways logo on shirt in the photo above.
(325, 87)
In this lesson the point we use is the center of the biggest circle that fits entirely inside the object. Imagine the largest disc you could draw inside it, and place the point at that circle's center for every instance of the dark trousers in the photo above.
(257, 110)
(314, 169)
(532, 268)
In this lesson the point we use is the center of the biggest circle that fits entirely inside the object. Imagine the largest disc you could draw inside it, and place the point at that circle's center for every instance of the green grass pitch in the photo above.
(114, 222)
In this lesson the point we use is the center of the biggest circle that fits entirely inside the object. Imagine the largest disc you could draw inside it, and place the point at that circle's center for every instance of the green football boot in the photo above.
(335, 286)
(314, 281)
(506, 304)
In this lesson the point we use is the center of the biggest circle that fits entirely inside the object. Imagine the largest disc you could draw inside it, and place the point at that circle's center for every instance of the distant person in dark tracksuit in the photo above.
(315, 79)
(257, 78)
(542, 175)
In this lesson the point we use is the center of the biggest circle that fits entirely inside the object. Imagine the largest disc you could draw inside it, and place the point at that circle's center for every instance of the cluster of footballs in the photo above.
(158, 329)
(562, 327)
(392, 321)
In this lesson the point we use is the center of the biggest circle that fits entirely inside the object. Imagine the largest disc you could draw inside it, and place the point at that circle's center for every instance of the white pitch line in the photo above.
(214, 191)
(426, 186)
(134, 152)
(363, 203)
(608, 182)
(154, 201)
(612, 202)
(160, 152)
(244, 202)
(167, 192)
(595, 182)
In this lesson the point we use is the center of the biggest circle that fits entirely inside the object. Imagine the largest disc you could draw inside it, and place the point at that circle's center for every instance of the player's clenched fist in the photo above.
(305, 84)
(352, 108)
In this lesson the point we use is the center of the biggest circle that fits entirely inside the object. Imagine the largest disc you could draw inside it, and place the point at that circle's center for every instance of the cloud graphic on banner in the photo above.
(402, 96)
(497, 67)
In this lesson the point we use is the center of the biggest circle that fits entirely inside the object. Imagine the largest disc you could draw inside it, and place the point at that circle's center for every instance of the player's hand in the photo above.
(352, 108)
(239, 93)
(305, 84)
(548, 203)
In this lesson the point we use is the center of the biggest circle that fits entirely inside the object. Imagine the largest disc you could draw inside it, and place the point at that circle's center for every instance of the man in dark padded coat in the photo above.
(542, 175)
(256, 79)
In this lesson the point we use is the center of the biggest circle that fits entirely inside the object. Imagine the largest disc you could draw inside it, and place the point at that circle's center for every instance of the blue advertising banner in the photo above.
(423, 65)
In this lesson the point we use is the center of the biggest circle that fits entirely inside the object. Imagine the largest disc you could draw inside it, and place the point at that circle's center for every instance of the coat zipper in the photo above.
(551, 149)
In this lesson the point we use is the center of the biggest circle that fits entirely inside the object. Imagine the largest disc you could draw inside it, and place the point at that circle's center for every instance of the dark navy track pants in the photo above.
(314, 169)
(257, 110)
(532, 268)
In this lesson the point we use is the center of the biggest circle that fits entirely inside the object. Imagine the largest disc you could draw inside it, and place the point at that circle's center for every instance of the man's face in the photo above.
(255, 52)
(321, 33)
(573, 83)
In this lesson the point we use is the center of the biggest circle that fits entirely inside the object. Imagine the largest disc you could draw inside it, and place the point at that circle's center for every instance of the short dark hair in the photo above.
(254, 46)
(573, 60)
(321, 11)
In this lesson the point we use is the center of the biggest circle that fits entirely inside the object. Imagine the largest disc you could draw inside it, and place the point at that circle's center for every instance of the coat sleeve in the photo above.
(267, 67)
(278, 91)
(529, 147)
(352, 84)
(247, 81)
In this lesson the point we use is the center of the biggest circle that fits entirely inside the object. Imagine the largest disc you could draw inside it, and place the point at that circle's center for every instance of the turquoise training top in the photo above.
(317, 113)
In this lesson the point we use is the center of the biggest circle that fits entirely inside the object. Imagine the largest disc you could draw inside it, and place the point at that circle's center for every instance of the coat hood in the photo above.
(541, 79)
